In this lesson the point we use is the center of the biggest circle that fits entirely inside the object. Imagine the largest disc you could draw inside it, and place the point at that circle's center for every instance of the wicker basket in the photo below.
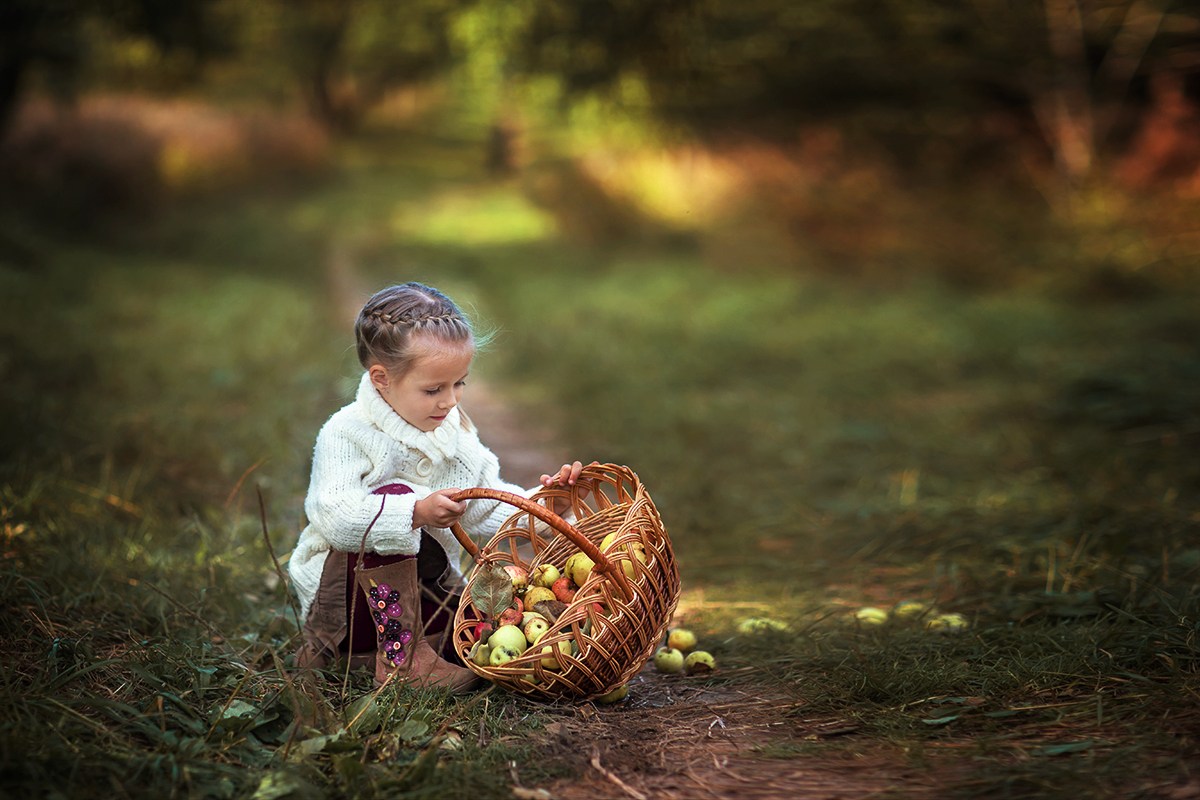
(615, 622)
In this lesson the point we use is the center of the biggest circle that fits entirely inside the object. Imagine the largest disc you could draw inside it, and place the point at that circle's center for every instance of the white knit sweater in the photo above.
(366, 445)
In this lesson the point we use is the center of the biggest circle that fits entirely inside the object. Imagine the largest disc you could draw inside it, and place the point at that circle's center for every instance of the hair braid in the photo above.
(388, 321)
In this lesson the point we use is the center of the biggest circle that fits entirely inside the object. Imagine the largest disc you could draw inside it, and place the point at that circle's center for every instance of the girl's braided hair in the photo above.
(386, 325)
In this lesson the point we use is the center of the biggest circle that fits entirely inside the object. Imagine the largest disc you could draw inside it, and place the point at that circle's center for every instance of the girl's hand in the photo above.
(566, 475)
(438, 510)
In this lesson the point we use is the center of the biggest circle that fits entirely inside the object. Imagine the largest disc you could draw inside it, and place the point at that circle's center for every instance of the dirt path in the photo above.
(670, 738)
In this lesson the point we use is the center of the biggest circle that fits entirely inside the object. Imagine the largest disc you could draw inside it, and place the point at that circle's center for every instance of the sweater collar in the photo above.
(439, 444)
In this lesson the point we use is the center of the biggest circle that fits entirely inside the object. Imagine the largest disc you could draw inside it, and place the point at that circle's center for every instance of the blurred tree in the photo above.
(348, 54)
(49, 36)
(912, 75)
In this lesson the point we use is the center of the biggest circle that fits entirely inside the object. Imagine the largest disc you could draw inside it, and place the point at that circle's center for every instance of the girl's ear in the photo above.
(379, 376)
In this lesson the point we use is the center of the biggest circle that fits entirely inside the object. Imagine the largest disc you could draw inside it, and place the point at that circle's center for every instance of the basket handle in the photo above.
(550, 518)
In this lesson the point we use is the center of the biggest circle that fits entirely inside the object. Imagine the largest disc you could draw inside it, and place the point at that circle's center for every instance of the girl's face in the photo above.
(425, 394)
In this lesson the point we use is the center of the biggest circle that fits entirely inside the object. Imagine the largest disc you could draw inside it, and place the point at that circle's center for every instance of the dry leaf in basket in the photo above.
(492, 593)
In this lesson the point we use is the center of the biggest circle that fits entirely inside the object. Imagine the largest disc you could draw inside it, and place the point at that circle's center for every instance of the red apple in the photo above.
(562, 590)
(481, 628)
(520, 578)
(511, 616)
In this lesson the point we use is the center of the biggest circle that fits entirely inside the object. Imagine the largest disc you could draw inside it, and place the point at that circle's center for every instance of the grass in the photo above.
(1022, 457)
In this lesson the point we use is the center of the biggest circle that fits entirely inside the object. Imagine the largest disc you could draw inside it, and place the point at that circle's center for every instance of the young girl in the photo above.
(391, 461)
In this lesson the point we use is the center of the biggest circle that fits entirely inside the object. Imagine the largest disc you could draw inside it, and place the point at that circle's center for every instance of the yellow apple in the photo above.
(615, 696)
(681, 639)
(536, 594)
(699, 662)
(544, 575)
(871, 616)
(579, 567)
(536, 629)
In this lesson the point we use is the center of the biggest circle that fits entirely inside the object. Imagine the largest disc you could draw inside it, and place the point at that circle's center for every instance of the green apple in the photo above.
(760, 625)
(536, 629)
(550, 654)
(501, 655)
(482, 655)
(699, 662)
(668, 660)
(870, 616)
(579, 567)
(947, 623)
(544, 575)
(615, 696)
(682, 640)
(508, 637)
(909, 609)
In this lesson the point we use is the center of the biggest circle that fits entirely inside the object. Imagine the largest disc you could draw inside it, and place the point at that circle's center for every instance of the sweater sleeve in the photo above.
(340, 505)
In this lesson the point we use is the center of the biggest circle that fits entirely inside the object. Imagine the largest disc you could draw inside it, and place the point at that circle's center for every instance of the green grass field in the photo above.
(1025, 457)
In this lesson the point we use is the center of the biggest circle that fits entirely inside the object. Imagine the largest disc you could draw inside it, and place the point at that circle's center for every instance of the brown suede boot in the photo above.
(394, 598)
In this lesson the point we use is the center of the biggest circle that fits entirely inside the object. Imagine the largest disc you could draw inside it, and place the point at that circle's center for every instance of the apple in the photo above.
(508, 637)
(536, 629)
(520, 578)
(562, 590)
(544, 575)
(870, 616)
(668, 660)
(760, 625)
(699, 662)
(909, 609)
(482, 655)
(615, 696)
(579, 567)
(636, 548)
(481, 630)
(947, 623)
(551, 652)
(536, 594)
(510, 616)
(501, 655)
(529, 616)
(682, 640)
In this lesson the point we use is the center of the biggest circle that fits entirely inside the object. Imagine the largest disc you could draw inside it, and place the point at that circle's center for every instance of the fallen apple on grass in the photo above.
(682, 640)
(668, 660)
(615, 696)
(699, 662)
(870, 616)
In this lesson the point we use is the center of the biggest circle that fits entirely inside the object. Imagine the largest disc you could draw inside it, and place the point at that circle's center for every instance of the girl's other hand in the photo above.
(566, 475)
(438, 510)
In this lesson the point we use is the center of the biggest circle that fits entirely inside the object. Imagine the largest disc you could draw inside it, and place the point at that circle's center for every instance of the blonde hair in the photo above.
(386, 325)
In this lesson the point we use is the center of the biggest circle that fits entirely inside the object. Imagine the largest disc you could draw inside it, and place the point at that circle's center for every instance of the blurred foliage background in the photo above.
(879, 297)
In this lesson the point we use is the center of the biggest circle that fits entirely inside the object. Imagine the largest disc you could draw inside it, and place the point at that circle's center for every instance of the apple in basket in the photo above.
(579, 567)
(563, 590)
(635, 548)
(544, 575)
(510, 616)
(536, 594)
(535, 629)
(508, 637)
(520, 578)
